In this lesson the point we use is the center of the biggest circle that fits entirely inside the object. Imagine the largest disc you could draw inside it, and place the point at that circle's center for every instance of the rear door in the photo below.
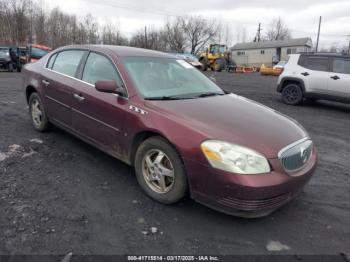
(99, 116)
(315, 72)
(57, 82)
(339, 78)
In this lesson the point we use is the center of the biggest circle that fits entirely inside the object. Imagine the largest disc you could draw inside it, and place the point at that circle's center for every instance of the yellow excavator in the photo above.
(215, 57)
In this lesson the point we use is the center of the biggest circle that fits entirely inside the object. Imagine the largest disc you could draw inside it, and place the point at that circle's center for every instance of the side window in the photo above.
(341, 66)
(314, 63)
(51, 61)
(67, 62)
(302, 61)
(99, 67)
(317, 63)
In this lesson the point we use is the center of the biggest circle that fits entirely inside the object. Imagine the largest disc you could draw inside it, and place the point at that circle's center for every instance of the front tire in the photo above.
(292, 94)
(37, 113)
(160, 171)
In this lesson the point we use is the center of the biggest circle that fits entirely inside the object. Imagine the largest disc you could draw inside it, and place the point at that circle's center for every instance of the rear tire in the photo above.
(37, 113)
(156, 161)
(292, 94)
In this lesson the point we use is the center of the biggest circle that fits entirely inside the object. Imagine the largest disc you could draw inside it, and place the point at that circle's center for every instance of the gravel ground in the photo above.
(58, 194)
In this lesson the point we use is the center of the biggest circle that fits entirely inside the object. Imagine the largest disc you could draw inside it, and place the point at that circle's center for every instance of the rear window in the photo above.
(67, 62)
(314, 63)
(341, 66)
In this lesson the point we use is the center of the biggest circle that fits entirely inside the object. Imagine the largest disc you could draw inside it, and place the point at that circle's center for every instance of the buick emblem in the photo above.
(303, 155)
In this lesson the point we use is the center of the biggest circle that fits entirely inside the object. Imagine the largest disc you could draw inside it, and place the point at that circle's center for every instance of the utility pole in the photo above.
(318, 34)
(258, 35)
(146, 37)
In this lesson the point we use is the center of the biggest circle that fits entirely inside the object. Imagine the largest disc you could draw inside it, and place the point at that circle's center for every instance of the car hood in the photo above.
(234, 119)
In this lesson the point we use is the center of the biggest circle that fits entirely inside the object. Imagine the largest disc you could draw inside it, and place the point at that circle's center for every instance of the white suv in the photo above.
(315, 76)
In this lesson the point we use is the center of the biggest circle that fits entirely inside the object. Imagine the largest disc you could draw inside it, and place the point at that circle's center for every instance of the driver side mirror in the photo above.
(109, 86)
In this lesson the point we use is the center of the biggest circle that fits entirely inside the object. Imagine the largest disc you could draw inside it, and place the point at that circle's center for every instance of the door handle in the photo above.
(305, 74)
(335, 77)
(79, 97)
(45, 82)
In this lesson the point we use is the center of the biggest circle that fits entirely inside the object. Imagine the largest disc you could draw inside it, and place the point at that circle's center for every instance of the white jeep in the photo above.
(315, 76)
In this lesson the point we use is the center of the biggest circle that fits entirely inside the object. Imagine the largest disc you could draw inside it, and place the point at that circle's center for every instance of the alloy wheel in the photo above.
(158, 171)
(292, 94)
(36, 112)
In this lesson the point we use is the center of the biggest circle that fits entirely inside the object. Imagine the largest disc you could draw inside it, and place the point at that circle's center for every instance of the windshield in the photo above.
(166, 77)
(4, 52)
(218, 49)
(38, 53)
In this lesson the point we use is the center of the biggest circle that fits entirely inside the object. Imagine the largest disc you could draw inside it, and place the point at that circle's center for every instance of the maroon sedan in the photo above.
(179, 130)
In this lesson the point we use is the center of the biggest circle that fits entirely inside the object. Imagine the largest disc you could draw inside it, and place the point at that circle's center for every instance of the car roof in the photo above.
(122, 51)
(325, 54)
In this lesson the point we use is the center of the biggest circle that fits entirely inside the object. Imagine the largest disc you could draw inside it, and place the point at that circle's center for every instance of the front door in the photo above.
(99, 116)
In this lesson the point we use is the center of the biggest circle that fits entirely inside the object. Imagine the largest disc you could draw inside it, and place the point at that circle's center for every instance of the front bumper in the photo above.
(247, 195)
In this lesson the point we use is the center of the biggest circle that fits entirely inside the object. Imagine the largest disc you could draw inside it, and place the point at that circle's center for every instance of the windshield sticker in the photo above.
(184, 64)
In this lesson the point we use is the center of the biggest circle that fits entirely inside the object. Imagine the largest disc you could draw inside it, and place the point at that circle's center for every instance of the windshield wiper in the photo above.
(210, 94)
(167, 98)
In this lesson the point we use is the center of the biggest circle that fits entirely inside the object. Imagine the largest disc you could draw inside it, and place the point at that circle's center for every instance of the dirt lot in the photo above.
(57, 194)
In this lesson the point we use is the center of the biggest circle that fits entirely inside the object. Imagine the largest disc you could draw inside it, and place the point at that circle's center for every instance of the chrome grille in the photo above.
(295, 156)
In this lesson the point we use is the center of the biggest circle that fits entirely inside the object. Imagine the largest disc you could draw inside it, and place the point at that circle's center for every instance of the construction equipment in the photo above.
(216, 57)
(273, 71)
(35, 52)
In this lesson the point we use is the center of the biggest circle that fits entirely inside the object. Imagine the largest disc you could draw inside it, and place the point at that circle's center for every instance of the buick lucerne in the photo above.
(181, 132)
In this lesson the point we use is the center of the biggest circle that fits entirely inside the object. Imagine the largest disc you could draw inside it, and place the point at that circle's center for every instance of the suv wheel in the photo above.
(159, 171)
(292, 94)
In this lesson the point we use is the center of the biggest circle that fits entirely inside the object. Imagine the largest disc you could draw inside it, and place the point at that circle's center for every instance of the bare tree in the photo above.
(111, 35)
(150, 39)
(174, 35)
(199, 32)
(27, 21)
(14, 21)
(91, 27)
(227, 35)
(277, 30)
(39, 24)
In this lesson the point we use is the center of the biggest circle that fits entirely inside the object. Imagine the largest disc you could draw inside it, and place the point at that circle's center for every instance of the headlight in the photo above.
(234, 158)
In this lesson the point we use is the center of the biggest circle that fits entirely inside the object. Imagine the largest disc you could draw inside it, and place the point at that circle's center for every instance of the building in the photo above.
(268, 52)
